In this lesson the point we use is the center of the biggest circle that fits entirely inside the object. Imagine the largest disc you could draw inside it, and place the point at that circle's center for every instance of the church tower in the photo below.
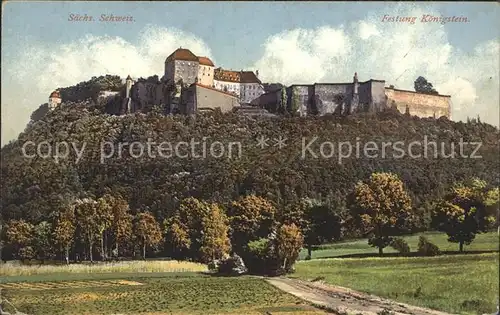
(54, 100)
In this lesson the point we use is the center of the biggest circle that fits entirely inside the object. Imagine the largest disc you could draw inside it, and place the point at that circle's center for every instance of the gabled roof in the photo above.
(205, 61)
(182, 54)
(249, 77)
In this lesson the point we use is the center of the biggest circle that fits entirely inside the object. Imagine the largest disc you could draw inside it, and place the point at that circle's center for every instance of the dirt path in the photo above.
(343, 300)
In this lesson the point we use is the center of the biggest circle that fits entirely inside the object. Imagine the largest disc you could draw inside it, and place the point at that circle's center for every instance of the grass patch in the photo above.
(198, 294)
(483, 242)
(465, 284)
(138, 266)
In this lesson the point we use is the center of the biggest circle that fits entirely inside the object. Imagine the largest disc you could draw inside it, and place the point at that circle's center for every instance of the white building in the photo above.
(54, 100)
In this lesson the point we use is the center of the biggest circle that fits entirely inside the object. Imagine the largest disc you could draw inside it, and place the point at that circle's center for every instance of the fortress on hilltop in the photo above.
(193, 83)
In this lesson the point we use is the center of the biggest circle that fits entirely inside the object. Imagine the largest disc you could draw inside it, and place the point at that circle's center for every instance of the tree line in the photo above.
(266, 236)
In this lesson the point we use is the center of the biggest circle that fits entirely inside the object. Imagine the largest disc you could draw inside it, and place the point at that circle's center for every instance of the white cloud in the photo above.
(41, 68)
(395, 52)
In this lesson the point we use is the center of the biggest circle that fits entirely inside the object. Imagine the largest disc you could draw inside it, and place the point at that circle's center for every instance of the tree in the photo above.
(104, 220)
(215, 242)
(147, 230)
(184, 228)
(177, 237)
(42, 240)
(64, 230)
(289, 242)
(251, 218)
(422, 86)
(121, 224)
(317, 220)
(382, 208)
(19, 234)
(466, 211)
(87, 220)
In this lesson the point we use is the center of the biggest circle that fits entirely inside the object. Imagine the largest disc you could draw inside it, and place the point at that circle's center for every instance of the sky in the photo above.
(301, 42)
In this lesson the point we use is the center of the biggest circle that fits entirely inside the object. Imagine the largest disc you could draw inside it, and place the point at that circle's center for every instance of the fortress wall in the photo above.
(421, 105)
(379, 99)
(299, 97)
(326, 97)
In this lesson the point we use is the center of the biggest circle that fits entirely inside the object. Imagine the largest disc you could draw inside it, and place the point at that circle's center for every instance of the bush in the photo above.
(400, 245)
(426, 248)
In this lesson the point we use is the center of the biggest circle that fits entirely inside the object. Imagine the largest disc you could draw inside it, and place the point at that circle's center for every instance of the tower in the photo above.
(355, 97)
(54, 100)
(128, 86)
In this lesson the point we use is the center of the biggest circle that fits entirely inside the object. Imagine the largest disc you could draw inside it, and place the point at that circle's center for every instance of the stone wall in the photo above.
(421, 105)
(199, 97)
(299, 98)
(331, 98)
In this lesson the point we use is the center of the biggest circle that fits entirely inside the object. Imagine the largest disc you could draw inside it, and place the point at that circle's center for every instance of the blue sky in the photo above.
(287, 42)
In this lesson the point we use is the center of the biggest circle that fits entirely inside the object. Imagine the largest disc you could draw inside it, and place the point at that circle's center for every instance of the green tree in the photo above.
(251, 218)
(382, 208)
(422, 86)
(104, 221)
(19, 235)
(184, 228)
(215, 243)
(87, 217)
(147, 231)
(42, 244)
(317, 220)
(465, 211)
(64, 230)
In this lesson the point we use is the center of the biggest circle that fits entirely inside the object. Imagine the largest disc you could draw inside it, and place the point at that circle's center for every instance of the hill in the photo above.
(32, 187)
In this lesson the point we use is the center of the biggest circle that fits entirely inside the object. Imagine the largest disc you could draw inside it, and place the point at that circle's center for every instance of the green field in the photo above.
(168, 293)
(483, 242)
(457, 284)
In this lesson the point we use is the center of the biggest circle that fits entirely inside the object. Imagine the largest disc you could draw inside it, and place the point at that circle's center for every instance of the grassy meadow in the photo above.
(459, 283)
(483, 242)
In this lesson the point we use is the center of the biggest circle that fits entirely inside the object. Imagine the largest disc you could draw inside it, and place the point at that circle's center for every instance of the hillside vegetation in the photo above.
(31, 187)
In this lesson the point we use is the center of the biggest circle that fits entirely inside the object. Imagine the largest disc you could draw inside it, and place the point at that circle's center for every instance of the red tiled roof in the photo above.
(55, 94)
(214, 89)
(226, 75)
(182, 54)
(249, 77)
(205, 61)
(235, 76)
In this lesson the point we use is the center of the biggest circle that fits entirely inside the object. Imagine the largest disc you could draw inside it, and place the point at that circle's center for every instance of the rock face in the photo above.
(231, 266)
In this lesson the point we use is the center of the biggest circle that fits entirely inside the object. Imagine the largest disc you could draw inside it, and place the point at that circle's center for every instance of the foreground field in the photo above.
(168, 294)
(456, 284)
(483, 242)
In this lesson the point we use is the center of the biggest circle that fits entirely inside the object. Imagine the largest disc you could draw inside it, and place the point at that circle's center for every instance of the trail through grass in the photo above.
(456, 284)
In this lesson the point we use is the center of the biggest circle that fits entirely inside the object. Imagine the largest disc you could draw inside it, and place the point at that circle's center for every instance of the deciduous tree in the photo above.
(382, 208)
(251, 218)
(87, 220)
(19, 234)
(465, 212)
(215, 243)
(64, 230)
(147, 230)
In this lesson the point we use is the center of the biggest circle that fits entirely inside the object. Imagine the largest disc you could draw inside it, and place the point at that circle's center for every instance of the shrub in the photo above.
(426, 248)
(400, 245)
